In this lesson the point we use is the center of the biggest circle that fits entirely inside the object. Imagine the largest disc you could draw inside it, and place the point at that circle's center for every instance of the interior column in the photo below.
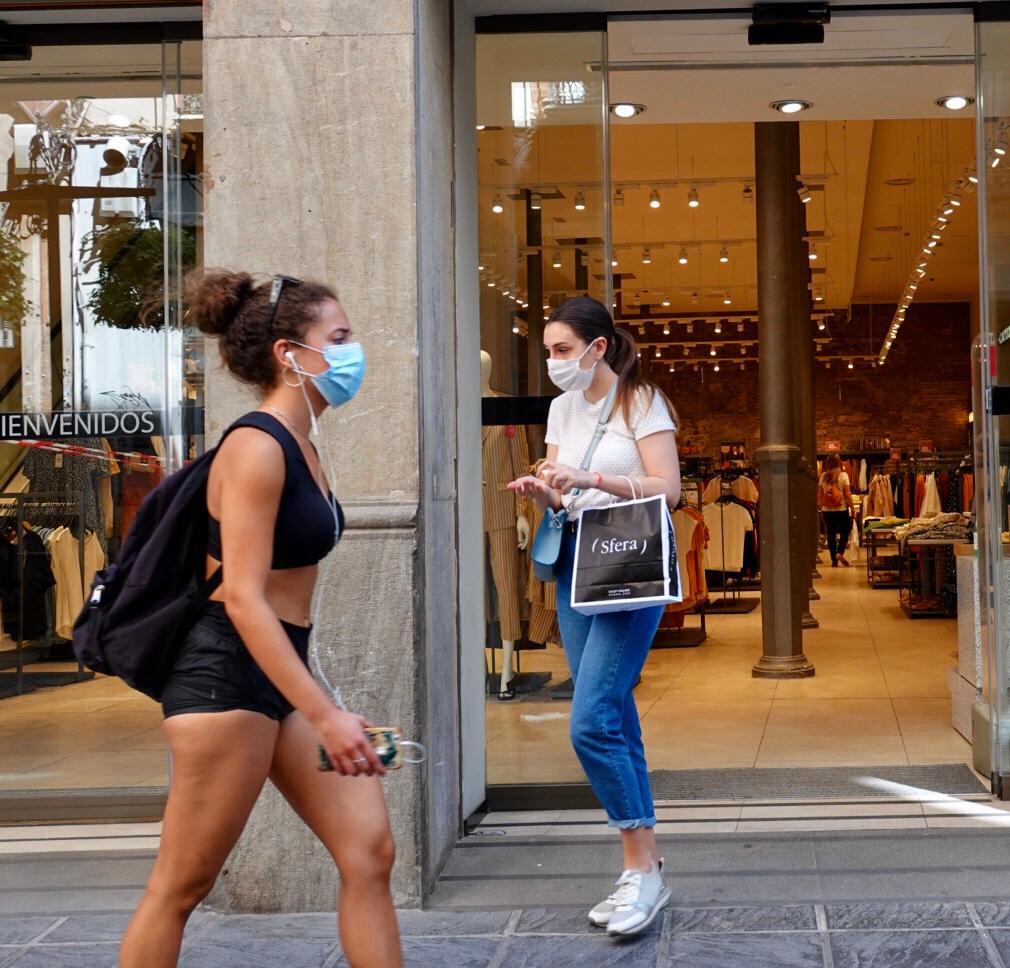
(784, 582)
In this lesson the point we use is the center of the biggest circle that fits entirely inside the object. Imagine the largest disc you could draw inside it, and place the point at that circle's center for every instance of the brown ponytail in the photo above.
(591, 320)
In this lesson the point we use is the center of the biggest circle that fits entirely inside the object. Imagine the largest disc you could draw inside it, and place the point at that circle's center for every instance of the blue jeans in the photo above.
(606, 654)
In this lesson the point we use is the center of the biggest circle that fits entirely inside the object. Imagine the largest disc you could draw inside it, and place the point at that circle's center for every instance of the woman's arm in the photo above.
(662, 472)
(847, 494)
(252, 479)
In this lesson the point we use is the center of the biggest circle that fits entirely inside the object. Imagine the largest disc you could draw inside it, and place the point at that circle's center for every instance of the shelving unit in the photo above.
(883, 558)
(926, 567)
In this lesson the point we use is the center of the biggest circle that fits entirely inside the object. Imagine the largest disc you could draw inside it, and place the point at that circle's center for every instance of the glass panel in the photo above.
(100, 206)
(541, 142)
(994, 369)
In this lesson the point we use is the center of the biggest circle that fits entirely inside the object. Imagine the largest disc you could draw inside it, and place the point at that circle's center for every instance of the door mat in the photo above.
(844, 782)
(38, 680)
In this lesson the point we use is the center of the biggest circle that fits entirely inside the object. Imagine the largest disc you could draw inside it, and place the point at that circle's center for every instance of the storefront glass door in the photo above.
(100, 382)
(994, 381)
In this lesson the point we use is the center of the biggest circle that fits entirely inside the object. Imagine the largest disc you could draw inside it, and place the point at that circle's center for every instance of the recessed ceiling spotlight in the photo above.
(727, 301)
(955, 102)
(791, 106)
(673, 368)
(496, 206)
(654, 201)
(491, 284)
(666, 302)
(973, 178)
(716, 367)
(580, 202)
(693, 201)
(852, 365)
(625, 109)
(480, 268)
(724, 255)
(682, 258)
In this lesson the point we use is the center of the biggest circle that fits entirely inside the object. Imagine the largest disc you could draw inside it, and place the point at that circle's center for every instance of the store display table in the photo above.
(883, 558)
(928, 578)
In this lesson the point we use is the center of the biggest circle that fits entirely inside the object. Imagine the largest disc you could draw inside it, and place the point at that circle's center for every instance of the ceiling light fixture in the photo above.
(580, 202)
(806, 196)
(666, 302)
(821, 324)
(724, 255)
(613, 262)
(654, 201)
(852, 365)
(536, 202)
(496, 206)
(626, 109)
(515, 329)
(646, 256)
(693, 201)
(812, 254)
(687, 351)
(790, 106)
(955, 102)
(491, 284)
(659, 352)
(619, 197)
(716, 367)
(682, 258)
(666, 329)
(727, 301)
(557, 260)
(711, 352)
(748, 193)
(718, 327)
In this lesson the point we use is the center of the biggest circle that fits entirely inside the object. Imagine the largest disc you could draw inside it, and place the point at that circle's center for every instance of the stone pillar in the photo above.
(784, 583)
(319, 165)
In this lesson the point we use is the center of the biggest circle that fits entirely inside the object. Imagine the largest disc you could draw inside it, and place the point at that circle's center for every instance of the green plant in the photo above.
(131, 257)
(13, 304)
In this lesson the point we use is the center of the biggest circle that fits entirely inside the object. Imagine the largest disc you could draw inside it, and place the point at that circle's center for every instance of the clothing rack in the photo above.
(733, 603)
(13, 505)
(685, 638)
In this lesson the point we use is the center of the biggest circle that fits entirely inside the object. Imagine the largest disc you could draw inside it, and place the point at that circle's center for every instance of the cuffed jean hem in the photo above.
(632, 824)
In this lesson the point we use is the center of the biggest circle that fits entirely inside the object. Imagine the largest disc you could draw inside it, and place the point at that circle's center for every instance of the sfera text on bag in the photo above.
(614, 546)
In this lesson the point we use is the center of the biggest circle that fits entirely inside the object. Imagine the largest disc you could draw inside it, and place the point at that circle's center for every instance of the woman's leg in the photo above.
(844, 530)
(348, 814)
(219, 764)
(612, 660)
(831, 527)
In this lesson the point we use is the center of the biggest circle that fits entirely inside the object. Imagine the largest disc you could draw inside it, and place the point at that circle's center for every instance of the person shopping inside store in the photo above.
(240, 703)
(637, 455)
(834, 498)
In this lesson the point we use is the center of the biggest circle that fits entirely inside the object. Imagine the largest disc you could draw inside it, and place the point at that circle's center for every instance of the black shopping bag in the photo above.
(626, 558)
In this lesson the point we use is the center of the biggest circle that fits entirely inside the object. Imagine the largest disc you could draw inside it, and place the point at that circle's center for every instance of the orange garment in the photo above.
(920, 492)
(694, 565)
(967, 491)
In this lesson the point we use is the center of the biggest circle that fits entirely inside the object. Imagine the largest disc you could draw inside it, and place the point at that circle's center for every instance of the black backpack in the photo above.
(142, 605)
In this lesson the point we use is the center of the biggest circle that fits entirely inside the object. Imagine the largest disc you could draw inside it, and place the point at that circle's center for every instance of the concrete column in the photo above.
(319, 165)
(783, 581)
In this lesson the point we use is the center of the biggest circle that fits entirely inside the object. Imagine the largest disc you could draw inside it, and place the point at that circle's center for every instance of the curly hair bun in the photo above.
(215, 299)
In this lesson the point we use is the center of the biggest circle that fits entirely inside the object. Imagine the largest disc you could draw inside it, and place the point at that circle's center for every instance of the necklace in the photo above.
(290, 423)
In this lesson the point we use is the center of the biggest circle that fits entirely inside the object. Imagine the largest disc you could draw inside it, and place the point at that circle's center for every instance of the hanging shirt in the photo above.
(862, 477)
(931, 498)
(728, 525)
(745, 489)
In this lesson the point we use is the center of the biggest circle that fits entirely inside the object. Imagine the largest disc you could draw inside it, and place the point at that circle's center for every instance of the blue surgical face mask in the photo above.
(345, 370)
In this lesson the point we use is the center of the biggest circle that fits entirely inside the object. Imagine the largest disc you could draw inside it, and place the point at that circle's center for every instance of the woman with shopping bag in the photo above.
(610, 437)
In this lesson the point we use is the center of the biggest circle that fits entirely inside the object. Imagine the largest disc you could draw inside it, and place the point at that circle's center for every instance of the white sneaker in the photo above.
(602, 913)
(641, 897)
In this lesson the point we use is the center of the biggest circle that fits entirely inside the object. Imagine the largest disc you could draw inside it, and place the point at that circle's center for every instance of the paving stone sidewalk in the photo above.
(948, 934)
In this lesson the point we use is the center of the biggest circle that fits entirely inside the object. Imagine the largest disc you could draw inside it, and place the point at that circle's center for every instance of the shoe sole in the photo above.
(661, 903)
(599, 924)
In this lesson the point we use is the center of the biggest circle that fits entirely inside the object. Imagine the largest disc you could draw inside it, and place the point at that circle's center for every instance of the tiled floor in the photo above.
(911, 934)
(880, 697)
(87, 735)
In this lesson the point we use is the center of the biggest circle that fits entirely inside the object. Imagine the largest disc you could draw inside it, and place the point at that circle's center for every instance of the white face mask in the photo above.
(568, 375)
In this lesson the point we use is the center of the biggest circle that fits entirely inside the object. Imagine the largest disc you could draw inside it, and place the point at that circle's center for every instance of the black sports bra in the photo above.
(303, 534)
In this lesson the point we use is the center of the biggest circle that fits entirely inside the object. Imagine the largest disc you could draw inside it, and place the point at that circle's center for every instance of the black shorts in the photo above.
(214, 671)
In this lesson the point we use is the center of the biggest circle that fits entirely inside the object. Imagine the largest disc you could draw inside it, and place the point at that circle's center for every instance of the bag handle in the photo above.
(601, 429)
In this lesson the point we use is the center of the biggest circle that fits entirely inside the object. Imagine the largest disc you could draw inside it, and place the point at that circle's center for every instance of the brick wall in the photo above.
(923, 392)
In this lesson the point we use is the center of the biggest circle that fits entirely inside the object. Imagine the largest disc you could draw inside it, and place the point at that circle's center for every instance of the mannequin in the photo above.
(505, 456)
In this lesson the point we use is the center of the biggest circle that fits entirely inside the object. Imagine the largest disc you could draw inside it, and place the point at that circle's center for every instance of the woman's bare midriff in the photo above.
(288, 592)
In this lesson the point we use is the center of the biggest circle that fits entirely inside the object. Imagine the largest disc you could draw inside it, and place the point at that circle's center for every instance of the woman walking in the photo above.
(240, 704)
(834, 498)
(637, 456)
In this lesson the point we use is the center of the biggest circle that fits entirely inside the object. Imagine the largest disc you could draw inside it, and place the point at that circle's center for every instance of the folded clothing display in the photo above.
(874, 524)
(951, 526)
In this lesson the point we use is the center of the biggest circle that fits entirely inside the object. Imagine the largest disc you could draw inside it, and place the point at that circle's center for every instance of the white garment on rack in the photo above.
(728, 525)
(683, 529)
(931, 505)
(713, 489)
(862, 477)
(744, 488)
(64, 552)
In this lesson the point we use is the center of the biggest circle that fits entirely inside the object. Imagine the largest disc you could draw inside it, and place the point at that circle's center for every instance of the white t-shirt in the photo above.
(727, 525)
(570, 427)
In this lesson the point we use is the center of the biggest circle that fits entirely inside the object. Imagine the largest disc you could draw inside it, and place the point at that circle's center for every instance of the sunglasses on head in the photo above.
(277, 285)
